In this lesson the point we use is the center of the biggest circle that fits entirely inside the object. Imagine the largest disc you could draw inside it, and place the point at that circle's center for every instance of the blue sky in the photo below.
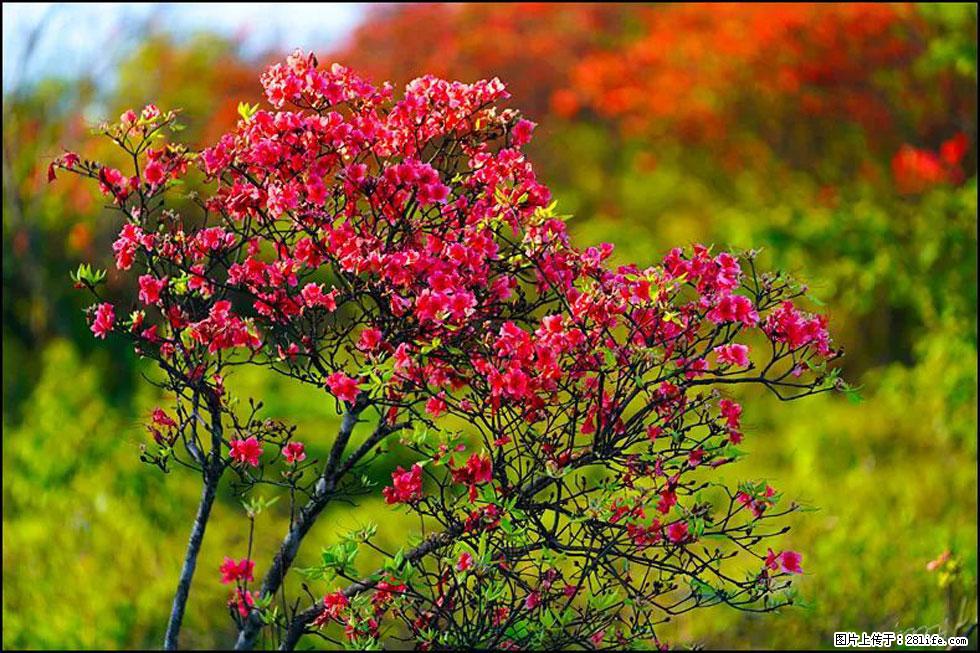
(72, 39)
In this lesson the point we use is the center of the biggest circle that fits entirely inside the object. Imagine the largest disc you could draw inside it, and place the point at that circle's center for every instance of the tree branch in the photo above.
(297, 627)
(190, 562)
(211, 476)
(325, 490)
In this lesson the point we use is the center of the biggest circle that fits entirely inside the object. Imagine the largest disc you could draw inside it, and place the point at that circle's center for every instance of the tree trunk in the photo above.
(190, 562)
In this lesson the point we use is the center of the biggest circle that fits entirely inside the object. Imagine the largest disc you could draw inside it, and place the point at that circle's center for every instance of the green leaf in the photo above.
(394, 565)
(247, 111)
(86, 275)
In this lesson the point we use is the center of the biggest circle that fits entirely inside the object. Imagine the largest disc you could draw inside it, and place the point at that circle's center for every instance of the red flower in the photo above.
(732, 412)
(677, 532)
(500, 615)
(406, 486)
(243, 601)
(333, 604)
(917, 170)
(232, 571)
(695, 457)
(246, 451)
(643, 536)
(477, 471)
(953, 150)
(465, 561)
(436, 406)
(294, 452)
(668, 499)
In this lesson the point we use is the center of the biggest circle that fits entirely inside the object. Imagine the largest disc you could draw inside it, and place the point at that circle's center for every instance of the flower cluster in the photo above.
(406, 486)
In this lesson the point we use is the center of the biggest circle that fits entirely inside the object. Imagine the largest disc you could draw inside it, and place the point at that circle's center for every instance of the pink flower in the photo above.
(369, 340)
(733, 354)
(222, 329)
(532, 601)
(695, 457)
(521, 132)
(294, 452)
(791, 561)
(941, 560)
(105, 317)
(406, 486)
(788, 562)
(232, 571)
(343, 387)
(131, 238)
(465, 561)
(161, 418)
(788, 325)
(150, 288)
(154, 173)
(734, 308)
(246, 451)
(677, 532)
(313, 295)
(115, 183)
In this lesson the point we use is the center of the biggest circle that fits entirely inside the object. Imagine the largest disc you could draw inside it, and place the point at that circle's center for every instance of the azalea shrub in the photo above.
(569, 421)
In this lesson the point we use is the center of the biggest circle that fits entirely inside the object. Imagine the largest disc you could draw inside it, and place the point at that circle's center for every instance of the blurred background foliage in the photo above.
(839, 139)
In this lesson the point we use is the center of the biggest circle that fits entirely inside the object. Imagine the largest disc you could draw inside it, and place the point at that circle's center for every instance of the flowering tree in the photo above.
(568, 417)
